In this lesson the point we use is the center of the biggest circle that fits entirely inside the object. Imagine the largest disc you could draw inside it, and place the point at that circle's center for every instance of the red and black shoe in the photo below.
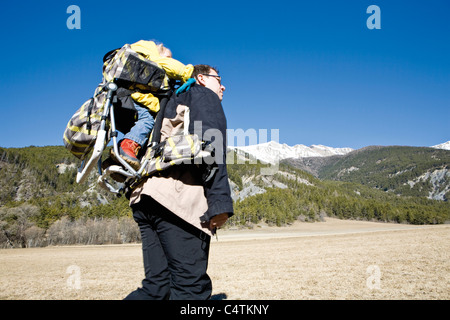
(128, 151)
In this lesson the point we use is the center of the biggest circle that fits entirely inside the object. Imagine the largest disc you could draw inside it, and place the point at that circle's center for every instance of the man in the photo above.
(176, 212)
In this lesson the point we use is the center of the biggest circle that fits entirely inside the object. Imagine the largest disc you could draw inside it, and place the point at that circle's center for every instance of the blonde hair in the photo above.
(164, 51)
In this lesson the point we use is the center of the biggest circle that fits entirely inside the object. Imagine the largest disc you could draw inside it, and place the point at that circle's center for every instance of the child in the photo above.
(146, 102)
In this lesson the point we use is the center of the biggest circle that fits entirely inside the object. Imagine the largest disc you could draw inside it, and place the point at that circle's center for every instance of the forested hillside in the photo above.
(407, 171)
(295, 195)
(41, 204)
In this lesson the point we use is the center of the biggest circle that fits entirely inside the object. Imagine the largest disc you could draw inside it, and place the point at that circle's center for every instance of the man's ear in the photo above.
(201, 80)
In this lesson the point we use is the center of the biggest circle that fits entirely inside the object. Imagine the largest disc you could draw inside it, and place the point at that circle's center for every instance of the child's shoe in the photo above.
(128, 151)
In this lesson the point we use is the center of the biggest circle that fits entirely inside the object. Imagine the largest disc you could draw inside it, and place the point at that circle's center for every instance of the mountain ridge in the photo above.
(445, 146)
(413, 171)
(273, 152)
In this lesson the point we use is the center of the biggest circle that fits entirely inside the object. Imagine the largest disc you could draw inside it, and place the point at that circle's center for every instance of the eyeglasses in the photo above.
(213, 75)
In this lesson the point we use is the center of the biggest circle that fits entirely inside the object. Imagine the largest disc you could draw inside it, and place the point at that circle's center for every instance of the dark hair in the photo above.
(202, 69)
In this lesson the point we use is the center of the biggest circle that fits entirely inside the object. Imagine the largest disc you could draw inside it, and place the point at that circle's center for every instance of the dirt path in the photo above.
(331, 226)
(327, 260)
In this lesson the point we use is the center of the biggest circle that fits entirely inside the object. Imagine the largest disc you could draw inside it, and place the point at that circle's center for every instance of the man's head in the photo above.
(208, 77)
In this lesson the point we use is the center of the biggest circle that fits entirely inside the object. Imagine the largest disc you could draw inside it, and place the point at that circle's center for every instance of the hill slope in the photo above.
(40, 202)
(407, 171)
(411, 171)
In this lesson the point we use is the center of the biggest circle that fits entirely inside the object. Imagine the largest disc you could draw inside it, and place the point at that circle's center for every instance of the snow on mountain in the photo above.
(273, 152)
(445, 146)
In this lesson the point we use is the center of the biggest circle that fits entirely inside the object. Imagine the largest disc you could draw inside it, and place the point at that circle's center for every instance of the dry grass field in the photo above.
(324, 260)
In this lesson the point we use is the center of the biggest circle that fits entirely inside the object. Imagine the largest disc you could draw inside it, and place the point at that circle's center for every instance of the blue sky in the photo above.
(311, 69)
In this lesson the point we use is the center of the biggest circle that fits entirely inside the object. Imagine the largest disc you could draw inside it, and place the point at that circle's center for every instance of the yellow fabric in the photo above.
(82, 145)
(158, 164)
(173, 68)
(174, 148)
(191, 143)
(146, 99)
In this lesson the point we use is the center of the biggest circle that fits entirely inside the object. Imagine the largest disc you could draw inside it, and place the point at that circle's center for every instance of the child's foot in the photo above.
(128, 151)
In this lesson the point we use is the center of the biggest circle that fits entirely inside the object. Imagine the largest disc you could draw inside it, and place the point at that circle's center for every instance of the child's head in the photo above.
(164, 52)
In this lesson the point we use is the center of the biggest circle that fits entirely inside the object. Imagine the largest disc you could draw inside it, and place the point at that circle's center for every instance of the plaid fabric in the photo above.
(173, 151)
(130, 71)
(129, 66)
(82, 129)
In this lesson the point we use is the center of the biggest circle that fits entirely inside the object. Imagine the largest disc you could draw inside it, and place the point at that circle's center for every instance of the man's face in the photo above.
(212, 81)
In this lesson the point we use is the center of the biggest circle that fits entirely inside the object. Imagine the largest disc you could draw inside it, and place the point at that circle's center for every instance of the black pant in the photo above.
(175, 255)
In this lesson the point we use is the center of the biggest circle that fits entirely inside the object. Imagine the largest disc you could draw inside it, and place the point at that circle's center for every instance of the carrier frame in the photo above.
(129, 174)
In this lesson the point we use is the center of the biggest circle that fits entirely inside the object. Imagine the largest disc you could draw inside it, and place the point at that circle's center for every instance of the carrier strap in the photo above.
(156, 137)
(110, 54)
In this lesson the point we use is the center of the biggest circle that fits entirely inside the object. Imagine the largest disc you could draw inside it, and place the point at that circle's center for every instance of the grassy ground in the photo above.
(324, 260)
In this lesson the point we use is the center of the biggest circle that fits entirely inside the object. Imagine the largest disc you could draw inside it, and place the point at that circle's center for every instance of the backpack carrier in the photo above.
(93, 125)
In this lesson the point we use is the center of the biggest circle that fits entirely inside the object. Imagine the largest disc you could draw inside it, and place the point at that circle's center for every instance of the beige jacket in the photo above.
(180, 191)
(180, 188)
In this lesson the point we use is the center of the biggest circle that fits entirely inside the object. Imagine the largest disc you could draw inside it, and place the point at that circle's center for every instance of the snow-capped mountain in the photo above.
(445, 146)
(273, 152)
